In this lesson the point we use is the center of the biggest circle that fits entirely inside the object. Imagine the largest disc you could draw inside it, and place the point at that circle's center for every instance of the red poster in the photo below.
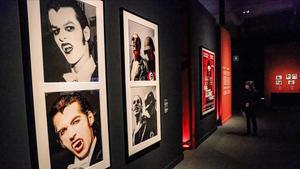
(208, 81)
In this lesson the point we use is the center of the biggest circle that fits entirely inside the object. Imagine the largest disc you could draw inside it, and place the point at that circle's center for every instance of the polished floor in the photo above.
(277, 145)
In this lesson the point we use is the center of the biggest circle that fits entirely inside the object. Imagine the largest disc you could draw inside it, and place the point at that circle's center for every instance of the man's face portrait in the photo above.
(136, 46)
(137, 105)
(74, 129)
(68, 34)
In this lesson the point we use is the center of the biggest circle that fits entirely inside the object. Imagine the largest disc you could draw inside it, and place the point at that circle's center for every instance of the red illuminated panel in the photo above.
(225, 111)
(185, 108)
(208, 81)
(282, 69)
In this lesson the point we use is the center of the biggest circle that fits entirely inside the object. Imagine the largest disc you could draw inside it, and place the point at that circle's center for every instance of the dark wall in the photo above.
(166, 15)
(249, 67)
(249, 42)
(15, 145)
(202, 33)
(13, 120)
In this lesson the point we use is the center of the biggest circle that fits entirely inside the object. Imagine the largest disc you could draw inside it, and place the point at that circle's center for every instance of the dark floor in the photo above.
(277, 145)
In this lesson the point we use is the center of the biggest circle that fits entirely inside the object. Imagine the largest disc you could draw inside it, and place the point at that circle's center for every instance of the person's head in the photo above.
(70, 29)
(149, 48)
(150, 102)
(249, 85)
(73, 121)
(137, 106)
(136, 45)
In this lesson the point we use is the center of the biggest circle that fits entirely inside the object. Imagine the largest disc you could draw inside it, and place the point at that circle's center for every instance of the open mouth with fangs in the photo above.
(77, 145)
(67, 48)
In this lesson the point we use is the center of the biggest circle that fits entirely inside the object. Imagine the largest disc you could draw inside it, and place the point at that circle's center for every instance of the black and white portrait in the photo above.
(291, 82)
(74, 129)
(69, 83)
(278, 77)
(141, 49)
(141, 59)
(278, 82)
(144, 116)
(294, 76)
(69, 41)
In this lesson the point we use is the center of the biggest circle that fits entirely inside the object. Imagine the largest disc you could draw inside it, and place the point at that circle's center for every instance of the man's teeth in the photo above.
(78, 144)
(67, 48)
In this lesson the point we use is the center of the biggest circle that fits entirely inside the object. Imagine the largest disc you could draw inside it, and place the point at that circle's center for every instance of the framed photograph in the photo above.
(68, 55)
(80, 120)
(141, 59)
(278, 82)
(294, 76)
(208, 80)
(291, 82)
(69, 84)
(278, 77)
(288, 76)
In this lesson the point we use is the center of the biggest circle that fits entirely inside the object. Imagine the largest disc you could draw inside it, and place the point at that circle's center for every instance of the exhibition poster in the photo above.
(208, 81)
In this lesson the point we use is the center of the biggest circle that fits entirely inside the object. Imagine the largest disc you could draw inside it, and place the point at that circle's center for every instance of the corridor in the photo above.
(277, 145)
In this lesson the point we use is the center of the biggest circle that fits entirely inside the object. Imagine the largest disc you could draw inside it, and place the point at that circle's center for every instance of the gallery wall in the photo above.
(14, 137)
(202, 33)
(250, 66)
(281, 60)
(166, 14)
(17, 123)
(16, 145)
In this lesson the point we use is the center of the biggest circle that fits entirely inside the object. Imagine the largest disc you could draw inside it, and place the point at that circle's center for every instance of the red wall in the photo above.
(186, 132)
(281, 60)
(225, 110)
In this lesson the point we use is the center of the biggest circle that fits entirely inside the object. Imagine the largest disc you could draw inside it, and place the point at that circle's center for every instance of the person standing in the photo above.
(249, 104)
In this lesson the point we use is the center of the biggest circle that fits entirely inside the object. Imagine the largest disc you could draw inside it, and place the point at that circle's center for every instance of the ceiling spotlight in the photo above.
(246, 11)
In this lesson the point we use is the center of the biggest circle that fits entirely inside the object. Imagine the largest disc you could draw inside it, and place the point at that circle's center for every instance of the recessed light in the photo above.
(246, 11)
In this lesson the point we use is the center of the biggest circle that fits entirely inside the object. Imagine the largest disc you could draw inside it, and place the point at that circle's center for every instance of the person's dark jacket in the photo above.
(251, 97)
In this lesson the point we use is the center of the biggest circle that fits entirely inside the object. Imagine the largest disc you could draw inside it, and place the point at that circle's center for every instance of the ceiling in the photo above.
(236, 11)
(271, 20)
